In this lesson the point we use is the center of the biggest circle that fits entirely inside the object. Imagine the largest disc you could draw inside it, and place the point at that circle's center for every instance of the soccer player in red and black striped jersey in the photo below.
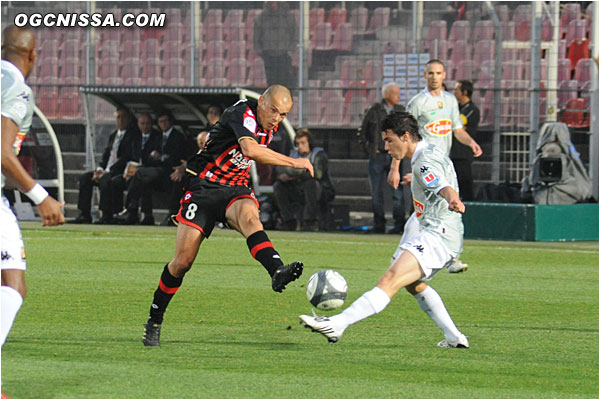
(217, 191)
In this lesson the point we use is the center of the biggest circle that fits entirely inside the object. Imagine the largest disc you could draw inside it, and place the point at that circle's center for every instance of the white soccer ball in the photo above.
(327, 289)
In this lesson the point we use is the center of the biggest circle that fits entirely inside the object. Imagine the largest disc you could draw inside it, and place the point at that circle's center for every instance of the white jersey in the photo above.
(437, 117)
(17, 102)
(432, 171)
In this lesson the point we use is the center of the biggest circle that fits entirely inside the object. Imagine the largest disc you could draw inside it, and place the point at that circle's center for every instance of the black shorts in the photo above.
(204, 203)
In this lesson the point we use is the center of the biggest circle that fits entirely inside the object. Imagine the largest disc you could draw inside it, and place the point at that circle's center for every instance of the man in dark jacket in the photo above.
(275, 38)
(155, 173)
(379, 160)
(461, 155)
(119, 151)
(298, 186)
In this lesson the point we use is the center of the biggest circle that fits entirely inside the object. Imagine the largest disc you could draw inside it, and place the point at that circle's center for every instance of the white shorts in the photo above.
(11, 242)
(427, 247)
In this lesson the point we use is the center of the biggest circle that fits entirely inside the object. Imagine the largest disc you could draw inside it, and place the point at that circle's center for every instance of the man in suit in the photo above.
(148, 141)
(119, 151)
(155, 172)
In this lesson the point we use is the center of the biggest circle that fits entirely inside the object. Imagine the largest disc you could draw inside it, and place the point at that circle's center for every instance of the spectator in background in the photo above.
(454, 12)
(294, 186)
(275, 38)
(149, 140)
(155, 174)
(119, 151)
(379, 159)
(461, 155)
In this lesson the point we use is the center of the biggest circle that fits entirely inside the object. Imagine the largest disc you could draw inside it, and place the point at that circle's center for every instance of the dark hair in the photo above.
(436, 61)
(304, 133)
(167, 114)
(467, 87)
(400, 122)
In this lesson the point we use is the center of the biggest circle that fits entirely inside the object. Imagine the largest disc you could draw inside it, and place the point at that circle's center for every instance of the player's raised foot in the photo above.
(323, 325)
(151, 334)
(286, 274)
(460, 343)
(457, 266)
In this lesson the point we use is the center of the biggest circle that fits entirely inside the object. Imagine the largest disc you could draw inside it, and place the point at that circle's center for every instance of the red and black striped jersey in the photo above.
(222, 161)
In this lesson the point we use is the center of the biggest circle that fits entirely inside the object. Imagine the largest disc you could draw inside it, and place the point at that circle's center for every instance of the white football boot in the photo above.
(461, 343)
(323, 325)
(457, 266)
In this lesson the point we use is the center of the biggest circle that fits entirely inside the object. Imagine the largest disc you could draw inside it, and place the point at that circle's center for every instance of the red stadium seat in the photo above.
(567, 90)
(332, 88)
(379, 19)
(439, 49)
(342, 37)
(249, 24)
(569, 12)
(71, 71)
(461, 30)
(334, 111)
(437, 30)
(236, 49)
(213, 49)
(349, 70)
(356, 88)
(522, 13)
(316, 17)
(483, 51)
(578, 49)
(503, 12)
(461, 50)
(214, 15)
(508, 30)
(70, 104)
(337, 16)
(584, 71)
(564, 69)
(484, 30)
(257, 76)
(576, 30)
(575, 115)
(212, 32)
(354, 111)
(463, 70)
(237, 71)
(359, 18)
(322, 36)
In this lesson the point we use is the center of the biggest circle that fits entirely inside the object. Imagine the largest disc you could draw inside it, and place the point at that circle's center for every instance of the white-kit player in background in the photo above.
(438, 116)
(18, 58)
(434, 245)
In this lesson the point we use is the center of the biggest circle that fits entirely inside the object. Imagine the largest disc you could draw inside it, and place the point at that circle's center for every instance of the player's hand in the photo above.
(50, 211)
(178, 171)
(406, 179)
(456, 205)
(393, 178)
(304, 163)
(476, 149)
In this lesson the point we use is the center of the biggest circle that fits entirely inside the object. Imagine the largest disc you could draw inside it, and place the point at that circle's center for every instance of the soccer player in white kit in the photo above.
(438, 240)
(436, 112)
(18, 58)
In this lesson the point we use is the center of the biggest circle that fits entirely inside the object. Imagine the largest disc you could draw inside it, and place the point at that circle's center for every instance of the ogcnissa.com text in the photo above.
(96, 20)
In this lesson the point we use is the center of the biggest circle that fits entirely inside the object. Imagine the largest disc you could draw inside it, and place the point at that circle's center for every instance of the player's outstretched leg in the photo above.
(372, 302)
(263, 251)
(167, 287)
(430, 301)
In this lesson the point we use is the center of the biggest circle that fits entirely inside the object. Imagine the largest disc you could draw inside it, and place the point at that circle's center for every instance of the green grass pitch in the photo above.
(530, 311)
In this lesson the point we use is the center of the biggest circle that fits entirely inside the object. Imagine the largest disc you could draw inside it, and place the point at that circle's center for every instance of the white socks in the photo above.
(371, 302)
(431, 302)
(11, 302)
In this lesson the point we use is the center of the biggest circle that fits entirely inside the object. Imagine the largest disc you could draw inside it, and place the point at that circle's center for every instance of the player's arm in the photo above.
(393, 177)
(463, 136)
(11, 166)
(454, 202)
(264, 155)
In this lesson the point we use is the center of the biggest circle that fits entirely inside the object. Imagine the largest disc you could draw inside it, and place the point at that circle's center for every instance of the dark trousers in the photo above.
(289, 194)
(379, 167)
(107, 194)
(143, 183)
(278, 69)
(465, 178)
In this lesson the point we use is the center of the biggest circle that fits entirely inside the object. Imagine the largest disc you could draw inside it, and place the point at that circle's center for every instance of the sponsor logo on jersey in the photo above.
(419, 248)
(441, 127)
(238, 159)
(5, 256)
(424, 169)
(187, 197)
(419, 208)
(430, 179)
(250, 124)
